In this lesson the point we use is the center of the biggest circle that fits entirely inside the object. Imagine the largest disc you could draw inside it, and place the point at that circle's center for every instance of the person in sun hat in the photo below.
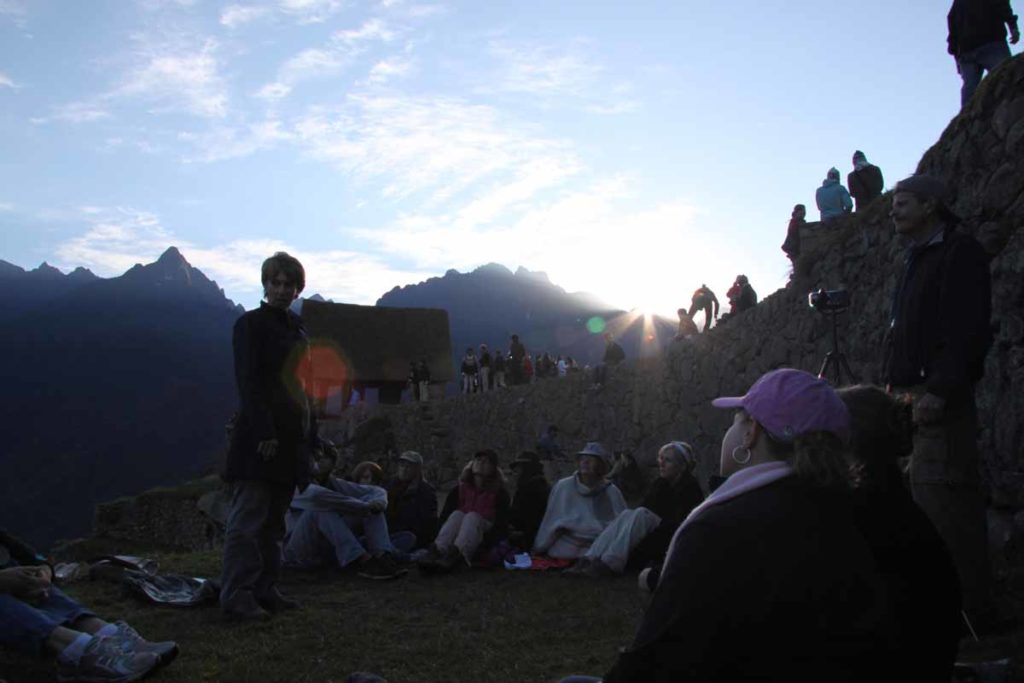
(580, 506)
(412, 505)
(769, 578)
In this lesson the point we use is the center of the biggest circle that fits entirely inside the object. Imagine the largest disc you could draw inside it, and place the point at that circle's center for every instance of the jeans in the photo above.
(252, 541)
(26, 627)
(322, 537)
(974, 63)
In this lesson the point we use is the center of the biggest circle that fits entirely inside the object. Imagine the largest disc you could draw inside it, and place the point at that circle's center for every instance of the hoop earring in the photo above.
(745, 460)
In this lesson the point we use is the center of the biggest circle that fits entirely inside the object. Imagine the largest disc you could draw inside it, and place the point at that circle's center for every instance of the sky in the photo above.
(632, 150)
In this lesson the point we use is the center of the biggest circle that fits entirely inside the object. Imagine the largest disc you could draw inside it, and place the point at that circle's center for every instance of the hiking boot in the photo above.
(129, 640)
(104, 661)
(380, 568)
(274, 602)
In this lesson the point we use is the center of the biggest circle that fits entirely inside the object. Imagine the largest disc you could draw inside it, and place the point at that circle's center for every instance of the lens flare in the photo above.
(596, 325)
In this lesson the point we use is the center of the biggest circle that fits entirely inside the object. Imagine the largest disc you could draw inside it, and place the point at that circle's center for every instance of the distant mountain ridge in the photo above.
(111, 385)
(490, 303)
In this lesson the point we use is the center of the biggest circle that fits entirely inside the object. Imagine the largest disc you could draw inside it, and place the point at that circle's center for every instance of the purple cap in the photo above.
(788, 403)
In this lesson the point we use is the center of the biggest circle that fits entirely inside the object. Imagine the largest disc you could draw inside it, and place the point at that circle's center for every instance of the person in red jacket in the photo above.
(475, 514)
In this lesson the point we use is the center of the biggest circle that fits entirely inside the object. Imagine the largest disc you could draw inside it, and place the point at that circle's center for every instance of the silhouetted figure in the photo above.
(470, 367)
(499, 369)
(936, 361)
(977, 39)
(796, 221)
(485, 368)
(613, 355)
(704, 300)
(687, 328)
(423, 373)
(865, 181)
(832, 198)
(516, 354)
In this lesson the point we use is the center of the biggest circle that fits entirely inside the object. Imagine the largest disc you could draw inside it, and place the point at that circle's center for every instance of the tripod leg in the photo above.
(847, 370)
(824, 365)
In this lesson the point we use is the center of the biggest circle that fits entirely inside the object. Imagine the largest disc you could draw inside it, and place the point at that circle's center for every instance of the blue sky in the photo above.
(633, 150)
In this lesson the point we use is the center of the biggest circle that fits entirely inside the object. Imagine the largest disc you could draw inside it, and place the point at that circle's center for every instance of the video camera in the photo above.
(829, 300)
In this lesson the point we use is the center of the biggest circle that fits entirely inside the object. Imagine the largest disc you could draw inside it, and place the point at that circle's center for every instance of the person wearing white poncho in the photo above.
(579, 507)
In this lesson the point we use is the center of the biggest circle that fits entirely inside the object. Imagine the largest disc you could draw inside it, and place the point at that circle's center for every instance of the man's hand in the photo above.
(267, 449)
(1014, 35)
(929, 409)
(31, 584)
(956, 61)
(377, 506)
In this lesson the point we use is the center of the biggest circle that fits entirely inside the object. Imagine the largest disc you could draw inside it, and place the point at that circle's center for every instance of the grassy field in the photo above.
(471, 626)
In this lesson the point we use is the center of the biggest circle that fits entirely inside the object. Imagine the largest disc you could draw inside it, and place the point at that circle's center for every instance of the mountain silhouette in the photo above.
(491, 303)
(111, 386)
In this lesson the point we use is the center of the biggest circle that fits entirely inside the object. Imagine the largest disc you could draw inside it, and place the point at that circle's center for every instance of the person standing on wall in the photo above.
(935, 358)
(271, 445)
(977, 39)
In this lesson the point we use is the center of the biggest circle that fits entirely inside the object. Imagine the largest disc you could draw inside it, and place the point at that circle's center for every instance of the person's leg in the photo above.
(243, 564)
(449, 531)
(271, 536)
(403, 541)
(970, 72)
(944, 481)
(622, 535)
(29, 628)
(314, 540)
(485, 374)
(377, 538)
(471, 535)
(992, 55)
(424, 391)
(708, 317)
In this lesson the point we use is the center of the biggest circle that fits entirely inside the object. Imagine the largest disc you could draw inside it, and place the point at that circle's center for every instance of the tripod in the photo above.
(834, 365)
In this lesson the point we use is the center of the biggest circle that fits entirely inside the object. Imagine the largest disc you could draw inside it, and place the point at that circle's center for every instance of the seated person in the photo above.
(530, 500)
(475, 514)
(579, 507)
(770, 578)
(412, 505)
(323, 522)
(642, 535)
(367, 473)
(37, 617)
(912, 558)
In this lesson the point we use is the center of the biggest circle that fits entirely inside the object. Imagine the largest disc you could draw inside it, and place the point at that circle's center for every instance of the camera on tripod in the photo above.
(829, 300)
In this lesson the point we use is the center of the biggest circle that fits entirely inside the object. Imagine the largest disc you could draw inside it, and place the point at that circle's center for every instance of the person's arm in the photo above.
(952, 39)
(963, 339)
(499, 529)
(323, 498)
(1010, 19)
(847, 201)
(21, 552)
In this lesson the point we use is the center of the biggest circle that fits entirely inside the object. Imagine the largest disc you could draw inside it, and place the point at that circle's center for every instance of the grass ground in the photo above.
(471, 626)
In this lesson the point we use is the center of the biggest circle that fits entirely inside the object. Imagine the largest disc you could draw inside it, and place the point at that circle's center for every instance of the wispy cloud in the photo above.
(389, 69)
(14, 11)
(310, 11)
(6, 206)
(436, 146)
(341, 51)
(541, 70)
(223, 142)
(115, 240)
(178, 78)
(234, 16)
(6, 82)
(77, 112)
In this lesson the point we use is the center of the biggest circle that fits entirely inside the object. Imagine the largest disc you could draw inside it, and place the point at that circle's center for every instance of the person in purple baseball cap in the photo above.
(769, 578)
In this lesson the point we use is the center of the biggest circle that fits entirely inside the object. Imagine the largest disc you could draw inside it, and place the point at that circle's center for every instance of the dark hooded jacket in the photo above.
(529, 503)
(270, 345)
(672, 501)
(865, 185)
(776, 584)
(940, 328)
(973, 23)
(412, 507)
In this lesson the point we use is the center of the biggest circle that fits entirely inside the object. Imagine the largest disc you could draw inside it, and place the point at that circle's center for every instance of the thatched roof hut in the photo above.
(373, 346)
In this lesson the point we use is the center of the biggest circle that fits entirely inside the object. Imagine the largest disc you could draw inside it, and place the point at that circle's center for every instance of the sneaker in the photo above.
(104, 661)
(274, 602)
(129, 640)
(380, 569)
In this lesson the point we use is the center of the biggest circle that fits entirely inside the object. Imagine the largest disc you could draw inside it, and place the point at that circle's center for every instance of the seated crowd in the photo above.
(808, 559)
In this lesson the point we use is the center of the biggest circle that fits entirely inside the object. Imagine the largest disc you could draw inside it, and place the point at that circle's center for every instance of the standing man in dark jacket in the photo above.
(516, 351)
(865, 181)
(271, 445)
(703, 300)
(938, 338)
(977, 39)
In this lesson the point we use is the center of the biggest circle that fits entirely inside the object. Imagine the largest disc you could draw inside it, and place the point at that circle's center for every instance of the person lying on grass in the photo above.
(36, 617)
(475, 515)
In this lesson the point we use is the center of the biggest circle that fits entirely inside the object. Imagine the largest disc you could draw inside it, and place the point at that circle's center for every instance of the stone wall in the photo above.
(649, 401)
